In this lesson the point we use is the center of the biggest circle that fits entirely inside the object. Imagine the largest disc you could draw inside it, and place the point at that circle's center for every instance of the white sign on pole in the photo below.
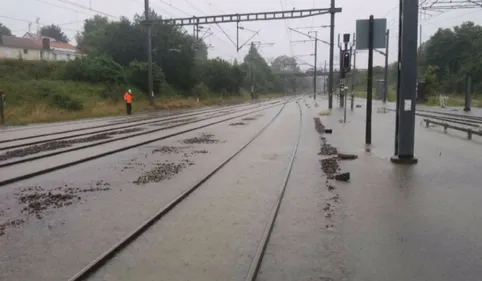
(408, 105)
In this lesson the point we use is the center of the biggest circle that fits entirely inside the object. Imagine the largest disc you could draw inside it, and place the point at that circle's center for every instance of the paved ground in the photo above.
(393, 222)
(389, 222)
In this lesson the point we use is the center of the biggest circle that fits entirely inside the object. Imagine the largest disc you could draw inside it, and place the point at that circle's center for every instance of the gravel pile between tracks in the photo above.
(10, 223)
(205, 138)
(318, 126)
(162, 171)
(252, 118)
(54, 145)
(237, 124)
(38, 201)
(331, 168)
(326, 148)
(169, 149)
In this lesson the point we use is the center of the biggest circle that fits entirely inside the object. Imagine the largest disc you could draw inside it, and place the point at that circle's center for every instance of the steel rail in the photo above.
(143, 122)
(107, 153)
(29, 159)
(456, 118)
(478, 118)
(175, 115)
(111, 252)
(258, 257)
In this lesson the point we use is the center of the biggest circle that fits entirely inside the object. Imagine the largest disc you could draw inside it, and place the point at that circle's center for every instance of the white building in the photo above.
(29, 48)
(12, 47)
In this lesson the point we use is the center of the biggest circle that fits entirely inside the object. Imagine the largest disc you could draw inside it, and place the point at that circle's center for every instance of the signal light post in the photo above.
(344, 69)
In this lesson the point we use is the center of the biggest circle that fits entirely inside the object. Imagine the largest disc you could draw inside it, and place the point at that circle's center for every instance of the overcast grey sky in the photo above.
(17, 13)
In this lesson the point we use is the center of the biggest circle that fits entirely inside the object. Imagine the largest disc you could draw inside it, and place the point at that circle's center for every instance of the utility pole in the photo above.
(150, 82)
(324, 79)
(314, 65)
(385, 95)
(252, 74)
(420, 37)
(332, 42)
(353, 74)
(406, 84)
(315, 53)
(342, 73)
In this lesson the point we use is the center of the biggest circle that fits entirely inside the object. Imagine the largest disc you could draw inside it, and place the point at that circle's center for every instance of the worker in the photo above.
(128, 98)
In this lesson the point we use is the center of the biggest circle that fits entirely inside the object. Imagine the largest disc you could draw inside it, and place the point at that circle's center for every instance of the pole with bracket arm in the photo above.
(150, 79)
(315, 63)
(332, 42)
(247, 41)
(385, 93)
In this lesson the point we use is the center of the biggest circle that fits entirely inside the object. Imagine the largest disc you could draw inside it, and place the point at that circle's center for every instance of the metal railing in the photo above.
(446, 126)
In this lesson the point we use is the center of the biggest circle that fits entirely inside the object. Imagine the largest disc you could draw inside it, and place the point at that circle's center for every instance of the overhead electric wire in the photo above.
(63, 7)
(87, 8)
(30, 21)
(175, 8)
(217, 24)
(287, 31)
(157, 8)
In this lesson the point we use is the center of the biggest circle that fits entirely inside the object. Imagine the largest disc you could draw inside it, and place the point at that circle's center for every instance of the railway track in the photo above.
(11, 177)
(109, 127)
(108, 255)
(452, 120)
(472, 121)
(114, 128)
(451, 114)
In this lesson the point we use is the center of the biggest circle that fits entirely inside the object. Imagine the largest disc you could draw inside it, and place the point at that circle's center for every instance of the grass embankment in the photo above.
(36, 92)
(38, 101)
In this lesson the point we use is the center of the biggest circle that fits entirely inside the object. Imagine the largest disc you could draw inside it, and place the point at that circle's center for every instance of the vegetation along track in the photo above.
(117, 248)
(83, 160)
(142, 121)
(110, 140)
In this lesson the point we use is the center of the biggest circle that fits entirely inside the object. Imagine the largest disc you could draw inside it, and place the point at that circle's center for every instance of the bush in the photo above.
(200, 91)
(94, 70)
(63, 101)
(23, 69)
(137, 74)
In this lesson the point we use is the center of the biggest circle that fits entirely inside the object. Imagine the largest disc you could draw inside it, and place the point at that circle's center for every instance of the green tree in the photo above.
(137, 74)
(91, 39)
(219, 76)
(453, 54)
(5, 30)
(125, 41)
(54, 31)
(260, 72)
(285, 65)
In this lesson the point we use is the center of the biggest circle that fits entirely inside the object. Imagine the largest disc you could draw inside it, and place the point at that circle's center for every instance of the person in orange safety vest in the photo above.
(128, 99)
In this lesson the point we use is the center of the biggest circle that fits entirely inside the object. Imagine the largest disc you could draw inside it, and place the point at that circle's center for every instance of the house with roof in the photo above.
(36, 48)
(12, 47)
(35, 36)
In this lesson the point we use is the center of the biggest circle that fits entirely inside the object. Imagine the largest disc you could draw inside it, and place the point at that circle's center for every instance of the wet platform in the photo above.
(390, 222)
